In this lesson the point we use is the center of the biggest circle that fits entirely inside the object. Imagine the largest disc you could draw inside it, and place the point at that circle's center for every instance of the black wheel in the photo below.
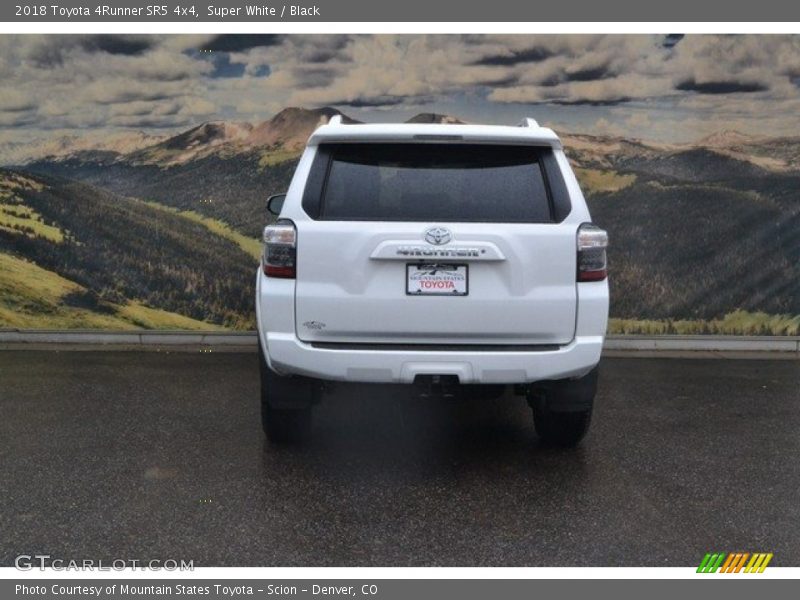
(564, 429)
(287, 425)
(286, 405)
(562, 410)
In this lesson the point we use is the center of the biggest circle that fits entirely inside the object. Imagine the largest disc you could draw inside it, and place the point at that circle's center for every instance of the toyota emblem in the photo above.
(438, 235)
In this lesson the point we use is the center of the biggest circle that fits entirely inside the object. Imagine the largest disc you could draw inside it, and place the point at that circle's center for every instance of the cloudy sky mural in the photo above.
(661, 88)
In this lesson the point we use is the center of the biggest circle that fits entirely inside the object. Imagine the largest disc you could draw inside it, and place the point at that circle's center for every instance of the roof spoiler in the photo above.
(528, 122)
(335, 120)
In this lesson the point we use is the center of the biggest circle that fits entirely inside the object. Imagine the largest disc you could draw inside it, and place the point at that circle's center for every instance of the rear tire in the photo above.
(562, 410)
(565, 430)
(285, 426)
(286, 404)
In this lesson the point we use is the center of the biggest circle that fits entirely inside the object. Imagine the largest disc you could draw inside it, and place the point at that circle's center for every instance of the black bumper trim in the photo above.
(437, 347)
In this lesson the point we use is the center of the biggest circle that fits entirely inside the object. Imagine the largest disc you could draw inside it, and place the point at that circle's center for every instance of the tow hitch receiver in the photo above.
(436, 386)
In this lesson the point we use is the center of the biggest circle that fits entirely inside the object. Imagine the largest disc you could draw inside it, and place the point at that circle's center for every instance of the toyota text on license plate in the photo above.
(437, 279)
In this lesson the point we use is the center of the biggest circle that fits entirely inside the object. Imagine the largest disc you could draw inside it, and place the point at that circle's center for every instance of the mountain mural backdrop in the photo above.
(146, 231)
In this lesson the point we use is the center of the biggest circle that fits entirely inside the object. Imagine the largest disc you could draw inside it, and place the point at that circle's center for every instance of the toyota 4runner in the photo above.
(447, 256)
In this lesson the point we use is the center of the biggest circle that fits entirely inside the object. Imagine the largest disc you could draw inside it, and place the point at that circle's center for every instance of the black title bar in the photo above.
(733, 11)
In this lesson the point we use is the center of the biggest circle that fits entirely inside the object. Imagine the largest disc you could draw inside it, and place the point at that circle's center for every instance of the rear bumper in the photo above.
(287, 354)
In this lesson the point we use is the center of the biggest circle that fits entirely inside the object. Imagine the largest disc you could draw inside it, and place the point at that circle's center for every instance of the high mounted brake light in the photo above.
(592, 244)
(280, 250)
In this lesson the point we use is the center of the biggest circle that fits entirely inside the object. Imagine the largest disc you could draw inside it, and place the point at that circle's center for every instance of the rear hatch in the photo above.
(434, 243)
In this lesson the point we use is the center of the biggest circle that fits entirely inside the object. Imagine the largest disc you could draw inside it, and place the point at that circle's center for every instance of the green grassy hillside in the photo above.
(248, 244)
(233, 190)
(33, 298)
(145, 265)
(683, 251)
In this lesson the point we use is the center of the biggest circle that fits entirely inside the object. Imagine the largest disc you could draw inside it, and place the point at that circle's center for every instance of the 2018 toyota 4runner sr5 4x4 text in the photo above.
(453, 257)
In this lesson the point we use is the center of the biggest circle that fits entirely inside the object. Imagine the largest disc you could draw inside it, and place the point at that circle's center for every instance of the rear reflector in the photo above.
(280, 250)
(592, 262)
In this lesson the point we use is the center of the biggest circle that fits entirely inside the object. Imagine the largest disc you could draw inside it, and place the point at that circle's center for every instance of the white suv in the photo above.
(448, 256)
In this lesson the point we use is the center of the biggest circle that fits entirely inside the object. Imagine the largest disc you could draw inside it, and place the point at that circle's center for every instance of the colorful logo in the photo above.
(735, 562)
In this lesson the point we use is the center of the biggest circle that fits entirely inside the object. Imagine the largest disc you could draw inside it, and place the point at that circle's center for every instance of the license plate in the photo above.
(437, 279)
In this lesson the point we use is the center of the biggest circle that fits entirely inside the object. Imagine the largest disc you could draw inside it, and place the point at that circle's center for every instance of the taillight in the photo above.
(592, 244)
(280, 250)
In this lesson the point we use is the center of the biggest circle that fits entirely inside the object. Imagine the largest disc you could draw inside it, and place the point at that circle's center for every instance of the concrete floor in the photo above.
(145, 456)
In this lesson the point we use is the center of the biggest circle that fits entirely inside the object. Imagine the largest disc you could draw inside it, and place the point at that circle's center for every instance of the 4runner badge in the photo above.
(315, 325)
(438, 235)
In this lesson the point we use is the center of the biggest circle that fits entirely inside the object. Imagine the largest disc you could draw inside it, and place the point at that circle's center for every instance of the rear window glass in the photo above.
(434, 182)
